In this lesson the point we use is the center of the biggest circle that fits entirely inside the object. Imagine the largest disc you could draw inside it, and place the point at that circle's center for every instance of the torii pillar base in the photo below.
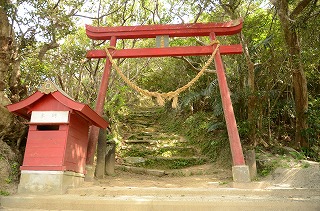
(241, 174)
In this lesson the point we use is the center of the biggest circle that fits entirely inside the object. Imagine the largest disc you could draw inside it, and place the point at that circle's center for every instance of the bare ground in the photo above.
(209, 175)
(197, 176)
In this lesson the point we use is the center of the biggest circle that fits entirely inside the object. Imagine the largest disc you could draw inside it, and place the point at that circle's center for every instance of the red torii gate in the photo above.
(174, 30)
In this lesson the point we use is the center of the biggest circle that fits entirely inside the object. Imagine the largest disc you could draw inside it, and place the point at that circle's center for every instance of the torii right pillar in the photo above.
(240, 171)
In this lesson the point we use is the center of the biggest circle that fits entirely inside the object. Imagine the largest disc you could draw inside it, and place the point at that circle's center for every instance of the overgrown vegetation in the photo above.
(198, 129)
(172, 164)
(279, 157)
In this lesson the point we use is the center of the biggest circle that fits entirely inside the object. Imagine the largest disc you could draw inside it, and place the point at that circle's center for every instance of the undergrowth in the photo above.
(196, 128)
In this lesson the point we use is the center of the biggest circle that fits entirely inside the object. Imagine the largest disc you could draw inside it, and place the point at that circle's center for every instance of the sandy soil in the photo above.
(307, 176)
(214, 178)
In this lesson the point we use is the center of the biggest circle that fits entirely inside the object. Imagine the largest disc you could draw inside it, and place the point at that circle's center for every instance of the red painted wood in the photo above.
(21, 108)
(84, 109)
(161, 52)
(66, 147)
(44, 161)
(43, 168)
(235, 145)
(48, 103)
(62, 127)
(42, 152)
(46, 138)
(76, 148)
(45, 148)
(94, 131)
(173, 30)
(43, 143)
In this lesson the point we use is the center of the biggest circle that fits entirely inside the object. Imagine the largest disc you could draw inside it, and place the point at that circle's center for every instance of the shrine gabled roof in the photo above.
(48, 88)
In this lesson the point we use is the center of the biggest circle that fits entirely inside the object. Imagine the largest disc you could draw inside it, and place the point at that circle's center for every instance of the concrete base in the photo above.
(241, 173)
(48, 182)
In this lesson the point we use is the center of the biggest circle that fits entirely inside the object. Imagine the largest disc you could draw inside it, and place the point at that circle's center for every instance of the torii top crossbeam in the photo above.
(173, 30)
(178, 30)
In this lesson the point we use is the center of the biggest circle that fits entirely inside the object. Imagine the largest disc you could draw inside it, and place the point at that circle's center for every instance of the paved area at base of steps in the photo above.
(163, 199)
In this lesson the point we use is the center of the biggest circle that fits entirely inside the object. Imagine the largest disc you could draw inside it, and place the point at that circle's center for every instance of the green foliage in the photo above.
(14, 172)
(297, 155)
(313, 131)
(268, 168)
(177, 163)
(117, 102)
(4, 193)
(196, 128)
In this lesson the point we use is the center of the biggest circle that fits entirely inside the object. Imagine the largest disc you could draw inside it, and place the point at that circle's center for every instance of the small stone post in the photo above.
(101, 152)
(250, 156)
(110, 158)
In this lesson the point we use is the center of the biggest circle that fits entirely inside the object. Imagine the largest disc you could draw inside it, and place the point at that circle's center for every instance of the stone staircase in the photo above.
(148, 148)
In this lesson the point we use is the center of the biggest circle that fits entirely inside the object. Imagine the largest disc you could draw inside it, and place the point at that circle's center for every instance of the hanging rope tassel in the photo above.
(160, 100)
(175, 102)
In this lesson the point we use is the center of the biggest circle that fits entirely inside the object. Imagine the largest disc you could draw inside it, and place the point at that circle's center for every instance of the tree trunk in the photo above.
(297, 70)
(301, 101)
(251, 98)
(5, 42)
(11, 130)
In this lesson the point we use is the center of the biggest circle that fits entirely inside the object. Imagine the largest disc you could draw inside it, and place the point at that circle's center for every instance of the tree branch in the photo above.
(193, 67)
(299, 8)
(96, 18)
(46, 47)
(56, 5)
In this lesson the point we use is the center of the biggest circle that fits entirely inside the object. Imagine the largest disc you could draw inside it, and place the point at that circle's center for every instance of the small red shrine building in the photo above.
(57, 138)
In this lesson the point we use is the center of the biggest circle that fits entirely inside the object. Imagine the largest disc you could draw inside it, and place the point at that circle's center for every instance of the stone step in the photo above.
(164, 163)
(171, 172)
(141, 121)
(159, 136)
(145, 111)
(103, 190)
(147, 117)
(159, 199)
(169, 141)
(140, 170)
(143, 148)
(149, 145)
(141, 141)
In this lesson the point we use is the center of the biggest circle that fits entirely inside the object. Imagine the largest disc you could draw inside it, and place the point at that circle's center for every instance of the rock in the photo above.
(12, 130)
(134, 160)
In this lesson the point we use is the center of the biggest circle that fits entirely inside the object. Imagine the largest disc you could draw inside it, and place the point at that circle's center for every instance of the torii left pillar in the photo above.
(94, 131)
(240, 170)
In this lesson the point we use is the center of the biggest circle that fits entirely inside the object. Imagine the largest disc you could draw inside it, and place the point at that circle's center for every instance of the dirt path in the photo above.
(283, 178)
(286, 189)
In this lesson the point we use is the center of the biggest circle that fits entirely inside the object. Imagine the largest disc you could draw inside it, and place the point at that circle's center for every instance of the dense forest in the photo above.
(274, 84)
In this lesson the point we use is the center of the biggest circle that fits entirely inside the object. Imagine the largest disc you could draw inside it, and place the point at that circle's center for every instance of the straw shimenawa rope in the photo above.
(162, 97)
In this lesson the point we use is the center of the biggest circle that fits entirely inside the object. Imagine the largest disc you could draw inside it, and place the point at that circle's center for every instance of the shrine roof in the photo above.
(22, 108)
